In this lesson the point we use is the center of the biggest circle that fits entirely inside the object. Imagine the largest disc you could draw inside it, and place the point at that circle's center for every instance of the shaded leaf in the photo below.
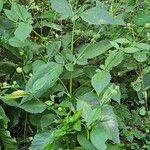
(99, 137)
(110, 123)
(88, 51)
(51, 71)
(99, 15)
(62, 7)
(100, 80)
(114, 59)
(84, 142)
(34, 106)
(23, 31)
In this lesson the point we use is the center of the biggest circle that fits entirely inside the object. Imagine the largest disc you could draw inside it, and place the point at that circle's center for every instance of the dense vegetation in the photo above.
(74, 74)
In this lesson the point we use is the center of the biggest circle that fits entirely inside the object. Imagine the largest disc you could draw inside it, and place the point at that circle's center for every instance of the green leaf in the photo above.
(62, 7)
(15, 95)
(99, 15)
(7, 140)
(100, 80)
(140, 56)
(18, 12)
(114, 59)
(143, 46)
(23, 31)
(94, 115)
(53, 48)
(11, 15)
(69, 67)
(34, 106)
(44, 141)
(98, 137)
(84, 142)
(88, 51)
(141, 18)
(39, 84)
(110, 123)
(47, 120)
(3, 118)
(1, 4)
(131, 50)
(85, 108)
(51, 72)
(40, 140)
(15, 42)
(21, 12)
(122, 41)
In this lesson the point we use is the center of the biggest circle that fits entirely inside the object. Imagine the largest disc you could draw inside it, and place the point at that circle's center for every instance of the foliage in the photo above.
(74, 74)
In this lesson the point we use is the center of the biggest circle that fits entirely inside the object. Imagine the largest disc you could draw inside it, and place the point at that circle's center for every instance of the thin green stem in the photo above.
(72, 50)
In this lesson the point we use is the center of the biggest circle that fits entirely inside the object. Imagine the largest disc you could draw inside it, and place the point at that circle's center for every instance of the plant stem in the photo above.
(72, 50)
(25, 128)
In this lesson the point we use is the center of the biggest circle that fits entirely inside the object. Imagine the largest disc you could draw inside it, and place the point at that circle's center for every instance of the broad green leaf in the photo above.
(34, 106)
(18, 12)
(131, 50)
(69, 67)
(15, 42)
(110, 123)
(84, 142)
(100, 80)
(39, 84)
(141, 18)
(21, 12)
(143, 46)
(140, 56)
(88, 51)
(51, 71)
(62, 7)
(23, 31)
(8, 141)
(66, 40)
(94, 115)
(114, 147)
(85, 108)
(98, 137)
(99, 15)
(114, 59)
(47, 120)
(90, 115)
(39, 140)
(43, 141)
(10, 102)
(11, 15)
(114, 44)
(53, 48)
(1, 4)
(55, 135)
(122, 41)
(89, 96)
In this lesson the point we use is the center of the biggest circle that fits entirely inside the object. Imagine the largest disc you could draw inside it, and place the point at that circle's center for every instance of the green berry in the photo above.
(5, 84)
(60, 109)
(19, 70)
